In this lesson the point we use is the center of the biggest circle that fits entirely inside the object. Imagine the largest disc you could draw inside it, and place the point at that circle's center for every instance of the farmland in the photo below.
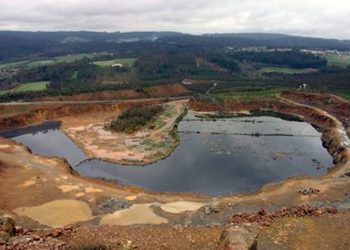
(27, 87)
(46, 62)
(247, 95)
(109, 63)
(288, 71)
(339, 60)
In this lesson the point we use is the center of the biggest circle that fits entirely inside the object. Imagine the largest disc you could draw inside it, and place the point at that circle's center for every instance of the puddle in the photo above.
(137, 214)
(181, 206)
(58, 213)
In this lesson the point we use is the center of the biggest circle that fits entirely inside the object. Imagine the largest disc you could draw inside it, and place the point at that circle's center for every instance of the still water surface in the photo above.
(215, 156)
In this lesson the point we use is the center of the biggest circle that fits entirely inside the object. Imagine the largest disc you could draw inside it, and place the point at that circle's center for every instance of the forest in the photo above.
(93, 62)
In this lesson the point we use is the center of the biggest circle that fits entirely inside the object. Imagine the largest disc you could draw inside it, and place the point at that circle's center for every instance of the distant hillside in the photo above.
(88, 36)
(276, 40)
(18, 45)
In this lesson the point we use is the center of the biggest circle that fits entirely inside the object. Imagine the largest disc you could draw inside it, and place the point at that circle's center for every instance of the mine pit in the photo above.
(196, 165)
(216, 155)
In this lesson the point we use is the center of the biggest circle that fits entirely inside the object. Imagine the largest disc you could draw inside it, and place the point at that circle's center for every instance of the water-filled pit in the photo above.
(215, 156)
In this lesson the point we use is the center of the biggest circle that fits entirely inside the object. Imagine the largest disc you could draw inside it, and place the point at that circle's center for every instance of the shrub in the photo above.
(135, 118)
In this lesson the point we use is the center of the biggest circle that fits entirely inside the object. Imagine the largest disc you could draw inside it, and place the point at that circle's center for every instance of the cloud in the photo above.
(314, 17)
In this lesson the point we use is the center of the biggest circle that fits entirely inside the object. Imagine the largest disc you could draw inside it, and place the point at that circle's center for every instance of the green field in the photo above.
(60, 59)
(338, 60)
(249, 94)
(12, 64)
(109, 63)
(287, 71)
(345, 94)
(45, 62)
(26, 87)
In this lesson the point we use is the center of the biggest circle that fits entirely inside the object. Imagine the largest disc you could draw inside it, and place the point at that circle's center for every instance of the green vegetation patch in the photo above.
(11, 65)
(135, 118)
(47, 62)
(340, 60)
(282, 70)
(110, 63)
(344, 94)
(60, 59)
(27, 87)
(250, 95)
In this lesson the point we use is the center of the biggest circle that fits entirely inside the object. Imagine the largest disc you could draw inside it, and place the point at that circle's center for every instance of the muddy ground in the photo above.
(42, 192)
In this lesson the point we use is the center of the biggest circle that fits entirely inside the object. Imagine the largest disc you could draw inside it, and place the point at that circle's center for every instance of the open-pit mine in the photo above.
(276, 169)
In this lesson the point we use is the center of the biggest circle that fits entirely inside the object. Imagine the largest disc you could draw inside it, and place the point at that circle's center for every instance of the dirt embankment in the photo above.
(50, 112)
(332, 136)
(169, 90)
(334, 105)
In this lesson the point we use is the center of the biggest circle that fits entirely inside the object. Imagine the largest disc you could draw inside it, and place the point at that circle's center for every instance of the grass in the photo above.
(109, 63)
(249, 94)
(338, 60)
(60, 59)
(152, 145)
(10, 65)
(345, 95)
(169, 111)
(287, 71)
(26, 87)
(45, 62)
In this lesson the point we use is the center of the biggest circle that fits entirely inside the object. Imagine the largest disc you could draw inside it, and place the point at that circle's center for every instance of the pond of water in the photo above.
(215, 156)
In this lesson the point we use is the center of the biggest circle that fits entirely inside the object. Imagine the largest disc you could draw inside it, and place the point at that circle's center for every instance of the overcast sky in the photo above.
(323, 18)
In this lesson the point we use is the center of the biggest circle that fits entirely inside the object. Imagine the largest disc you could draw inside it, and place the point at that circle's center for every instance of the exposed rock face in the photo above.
(309, 191)
(334, 105)
(239, 237)
(265, 219)
(19, 238)
(111, 205)
(7, 228)
(33, 242)
(54, 111)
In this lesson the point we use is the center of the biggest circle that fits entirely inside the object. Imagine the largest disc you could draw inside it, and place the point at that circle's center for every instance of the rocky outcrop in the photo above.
(242, 237)
(334, 105)
(19, 238)
(33, 242)
(7, 228)
(265, 219)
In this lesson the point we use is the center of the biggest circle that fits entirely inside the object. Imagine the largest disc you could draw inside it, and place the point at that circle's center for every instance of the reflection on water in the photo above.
(214, 157)
(46, 139)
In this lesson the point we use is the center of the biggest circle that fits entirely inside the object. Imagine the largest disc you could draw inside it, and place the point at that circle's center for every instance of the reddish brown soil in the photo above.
(166, 90)
(328, 231)
(203, 62)
(147, 237)
(40, 113)
(151, 92)
(325, 232)
(334, 105)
